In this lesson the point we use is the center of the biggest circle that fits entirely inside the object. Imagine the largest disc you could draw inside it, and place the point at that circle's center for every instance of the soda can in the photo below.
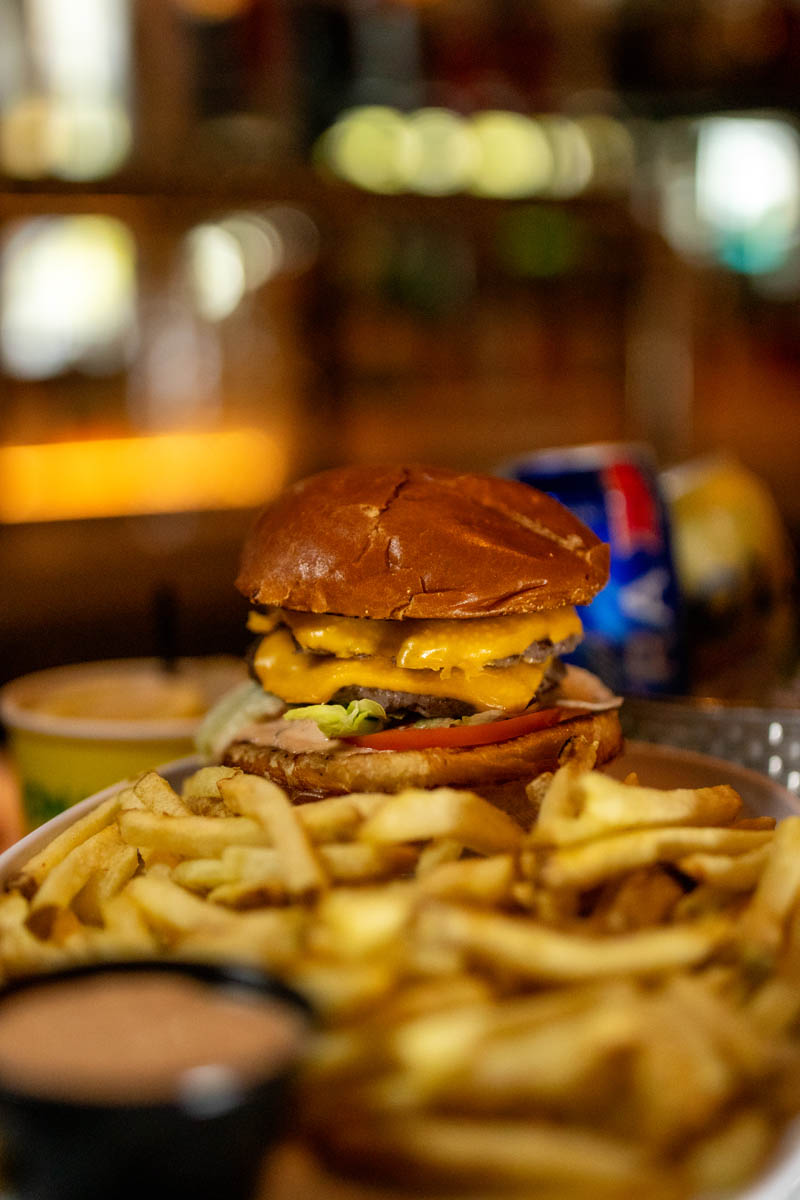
(634, 635)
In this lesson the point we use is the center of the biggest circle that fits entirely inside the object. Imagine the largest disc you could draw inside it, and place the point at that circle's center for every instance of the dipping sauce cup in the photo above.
(74, 730)
(146, 1080)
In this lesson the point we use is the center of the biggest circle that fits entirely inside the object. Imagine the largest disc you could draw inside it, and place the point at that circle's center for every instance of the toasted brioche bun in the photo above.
(395, 542)
(478, 768)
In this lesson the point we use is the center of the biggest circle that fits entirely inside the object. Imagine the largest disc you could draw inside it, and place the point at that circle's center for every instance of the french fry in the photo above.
(40, 865)
(416, 815)
(339, 990)
(245, 871)
(426, 1041)
(607, 1006)
(440, 850)
(724, 1160)
(646, 896)
(268, 938)
(189, 837)
(764, 920)
(171, 911)
(519, 1050)
(524, 1152)
(436, 1046)
(589, 804)
(338, 817)
(120, 862)
(537, 789)
(559, 907)
(25, 954)
(361, 862)
(158, 796)
(537, 952)
(262, 801)
(59, 888)
(201, 794)
(433, 995)
(203, 874)
(556, 1062)
(775, 1007)
(480, 880)
(14, 909)
(360, 921)
(126, 929)
(707, 898)
(204, 783)
(752, 1053)
(129, 799)
(680, 1078)
(589, 863)
(754, 823)
(739, 873)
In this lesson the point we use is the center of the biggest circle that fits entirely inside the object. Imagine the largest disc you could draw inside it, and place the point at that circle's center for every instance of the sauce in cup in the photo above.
(155, 1079)
(140, 1037)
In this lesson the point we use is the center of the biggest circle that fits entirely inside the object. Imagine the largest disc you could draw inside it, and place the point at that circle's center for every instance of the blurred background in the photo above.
(242, 240)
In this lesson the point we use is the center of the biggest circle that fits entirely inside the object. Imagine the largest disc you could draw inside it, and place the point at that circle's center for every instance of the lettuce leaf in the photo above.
(360, 716)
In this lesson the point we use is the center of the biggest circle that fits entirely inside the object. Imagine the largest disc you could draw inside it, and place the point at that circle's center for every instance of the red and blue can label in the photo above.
(634, 636)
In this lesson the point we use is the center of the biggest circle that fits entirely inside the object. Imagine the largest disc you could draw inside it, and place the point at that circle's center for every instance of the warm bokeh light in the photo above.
(244, 250)
(260, 246)
(213, 10)
(613, 151)
(81, 49)
(77, 140)
(111, 477)
(88, 140)
(447, 152)
(67, 295)
(515, 157)
(25, 137)
(493, 153)
(68, 114)
(573, 161)
(374, 148)
(216, 271)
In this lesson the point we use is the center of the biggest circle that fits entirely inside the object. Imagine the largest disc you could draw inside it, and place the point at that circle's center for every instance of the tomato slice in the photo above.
(409, 738)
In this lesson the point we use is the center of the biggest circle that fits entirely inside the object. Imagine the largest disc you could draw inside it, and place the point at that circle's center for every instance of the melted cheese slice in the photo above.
(437, 645)
(302, 678)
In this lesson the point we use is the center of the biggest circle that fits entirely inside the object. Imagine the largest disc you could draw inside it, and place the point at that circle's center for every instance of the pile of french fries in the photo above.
(605, 1005)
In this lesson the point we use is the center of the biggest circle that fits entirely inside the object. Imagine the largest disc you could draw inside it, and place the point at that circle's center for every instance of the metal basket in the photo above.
(764, 739)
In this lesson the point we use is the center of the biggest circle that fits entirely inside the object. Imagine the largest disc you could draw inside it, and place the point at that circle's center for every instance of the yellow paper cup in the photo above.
(74, 730)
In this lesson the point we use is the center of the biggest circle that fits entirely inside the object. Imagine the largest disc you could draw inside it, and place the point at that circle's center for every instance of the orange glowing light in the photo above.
(214, 10)
(112, 477)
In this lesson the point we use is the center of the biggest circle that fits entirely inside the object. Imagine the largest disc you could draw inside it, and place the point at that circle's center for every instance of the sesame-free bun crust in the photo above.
(478, 768)
(395, 542)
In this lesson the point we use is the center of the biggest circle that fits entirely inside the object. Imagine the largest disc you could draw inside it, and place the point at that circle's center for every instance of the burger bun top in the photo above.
(401, 542)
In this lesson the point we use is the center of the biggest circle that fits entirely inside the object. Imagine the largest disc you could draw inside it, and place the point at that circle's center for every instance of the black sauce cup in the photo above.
(207, 1144)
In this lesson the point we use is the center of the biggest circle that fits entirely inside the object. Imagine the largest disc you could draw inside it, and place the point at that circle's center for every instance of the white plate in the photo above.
(656, 766)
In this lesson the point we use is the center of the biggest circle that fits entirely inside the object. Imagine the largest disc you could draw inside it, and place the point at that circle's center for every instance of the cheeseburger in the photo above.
(410, 623)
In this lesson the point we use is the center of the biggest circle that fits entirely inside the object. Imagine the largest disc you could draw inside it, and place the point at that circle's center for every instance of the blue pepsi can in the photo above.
(634, 638)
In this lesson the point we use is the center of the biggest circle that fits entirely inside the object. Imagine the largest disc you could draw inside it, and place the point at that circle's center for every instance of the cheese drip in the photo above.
(302, 678)
(435, 645)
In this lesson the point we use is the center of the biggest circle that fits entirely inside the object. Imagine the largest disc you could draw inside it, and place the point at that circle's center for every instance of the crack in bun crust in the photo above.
(395, 542)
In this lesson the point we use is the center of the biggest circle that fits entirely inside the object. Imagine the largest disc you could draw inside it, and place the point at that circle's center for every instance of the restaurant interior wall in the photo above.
(451, 231)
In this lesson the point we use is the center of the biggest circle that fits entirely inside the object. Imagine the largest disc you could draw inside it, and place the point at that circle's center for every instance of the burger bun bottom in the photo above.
(498, 771)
